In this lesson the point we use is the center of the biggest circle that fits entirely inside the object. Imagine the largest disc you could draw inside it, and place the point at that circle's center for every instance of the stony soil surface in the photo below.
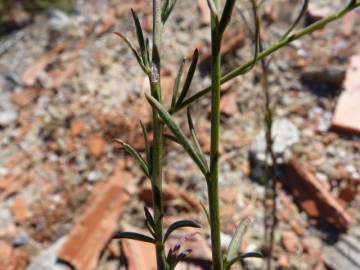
(69, 86)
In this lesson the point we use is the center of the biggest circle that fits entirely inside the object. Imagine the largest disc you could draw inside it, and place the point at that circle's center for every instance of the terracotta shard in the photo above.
(347, 114)
(19, 210)
(10, 184)
(31, 74)
(139, 255)
(96, 145)
(89, 237)
(170, 193)
(316, 201)
(11, 258)
(25, 96)
(60, 76)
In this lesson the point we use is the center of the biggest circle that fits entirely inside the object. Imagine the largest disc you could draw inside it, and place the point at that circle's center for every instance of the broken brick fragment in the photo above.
(19, 210)
(347, 114)
(89, 237)
(139, 255)
(96, 145)
(316, 201)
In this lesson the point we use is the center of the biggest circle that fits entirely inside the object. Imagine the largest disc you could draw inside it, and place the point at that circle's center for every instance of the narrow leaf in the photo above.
(171, 138)
(134, 236)
(206, 211)
(212, 7)
(146, 141)
(149, 218)
(195, 139)
(236, 240)
(241, 257)
(180, 224)
(302, 12)
(177, 84)
(141, 39)
(167, 9)
(256, 36)
(189, 77)
(136, 155)
(150, 229)
(226, 15)
(166, 117)
(133, 49)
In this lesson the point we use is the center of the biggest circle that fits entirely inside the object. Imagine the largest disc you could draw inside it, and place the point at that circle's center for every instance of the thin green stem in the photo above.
(281, 43)
(157, 147)
(213, 181)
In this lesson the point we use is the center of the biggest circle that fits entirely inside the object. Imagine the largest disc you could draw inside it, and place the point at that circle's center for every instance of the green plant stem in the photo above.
(262, 55)
(157, 147)
(213, 181)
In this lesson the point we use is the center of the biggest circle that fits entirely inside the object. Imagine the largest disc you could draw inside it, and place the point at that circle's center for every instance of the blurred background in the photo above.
(68, 87)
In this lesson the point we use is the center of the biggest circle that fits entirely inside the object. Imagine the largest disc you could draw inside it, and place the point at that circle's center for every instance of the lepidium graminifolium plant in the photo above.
(148, 57)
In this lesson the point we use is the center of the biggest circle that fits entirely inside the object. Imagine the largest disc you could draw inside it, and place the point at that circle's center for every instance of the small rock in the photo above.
(284, 135)
(21, 239)
(93, 176)
(7, 117)
(59, 20)
(47, 260)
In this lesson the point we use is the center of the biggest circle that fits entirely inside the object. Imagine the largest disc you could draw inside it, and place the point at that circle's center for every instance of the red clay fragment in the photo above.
(25, 96)
(96, 145)
(19, 210)
(347, 114)
(89, 237)
(59, 77)
(31, 74)
(10, 184)
(12, 259)
(139, 255)
(316, 201)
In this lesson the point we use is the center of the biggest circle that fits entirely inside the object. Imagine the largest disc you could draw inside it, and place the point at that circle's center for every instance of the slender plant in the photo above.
(149, 59)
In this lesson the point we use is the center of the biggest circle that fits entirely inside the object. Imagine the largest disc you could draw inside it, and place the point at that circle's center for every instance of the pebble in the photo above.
(7, 117)
(21, 239)
(47, 260)
(93, 176)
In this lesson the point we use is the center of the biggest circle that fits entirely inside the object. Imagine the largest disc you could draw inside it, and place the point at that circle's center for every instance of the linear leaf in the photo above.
(141, 39)
(226, 15)
(146, 141)
(239, 258)
(212, 7)
(180, 224)
(136, 155)
(166, 117)
(195, 139)
(149, 218)
(167, 9)
(189, 77)
(134, 236)
(302, 12)
(177, 84)
(133, 49)
(236, 240)
(171, 138)
(206, 211)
